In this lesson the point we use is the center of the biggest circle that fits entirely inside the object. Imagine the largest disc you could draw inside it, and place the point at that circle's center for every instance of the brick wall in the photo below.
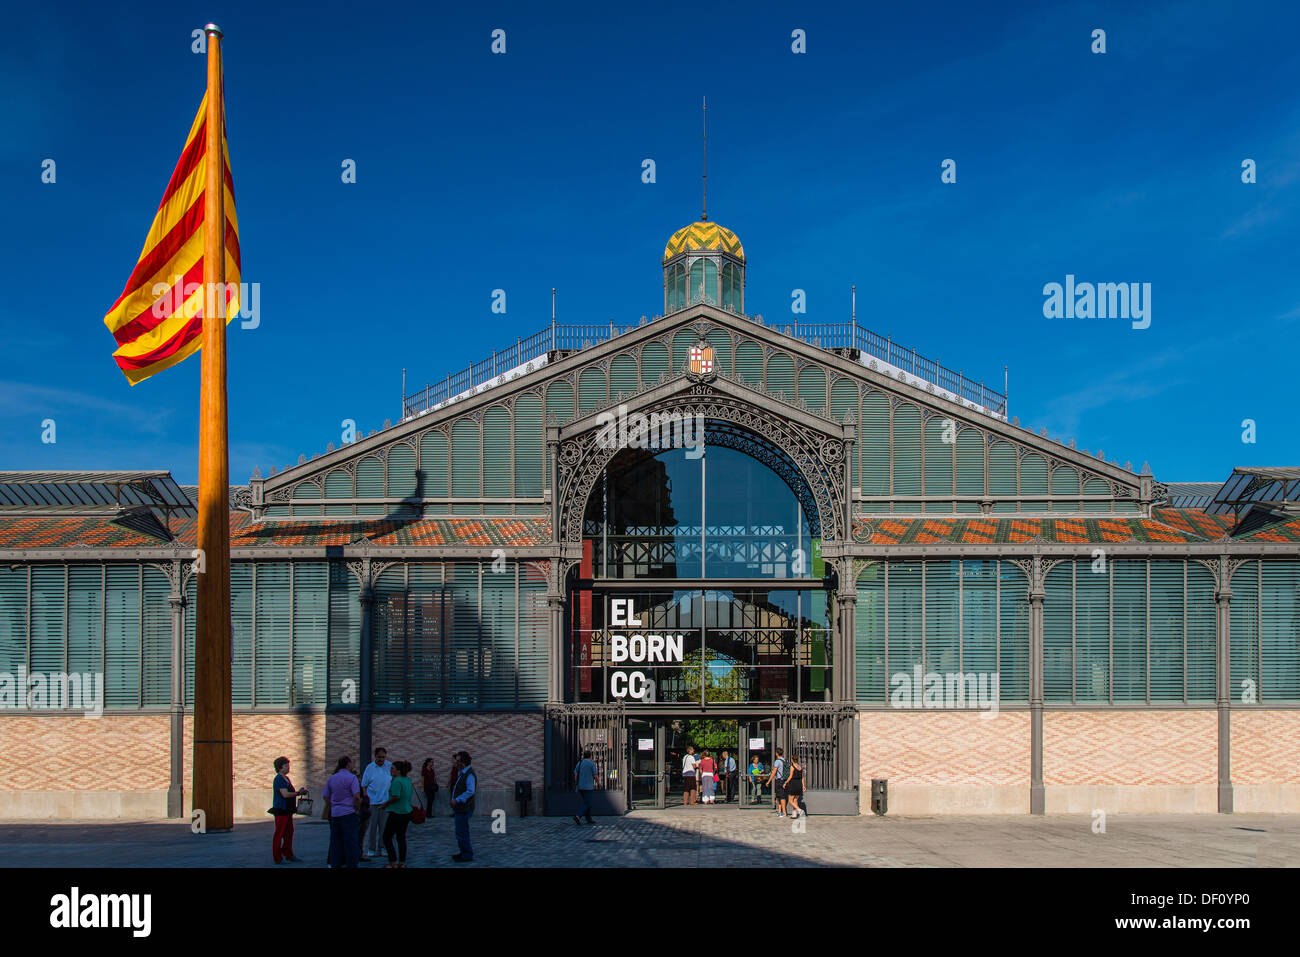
(505, 747)
(72, 753)
(955, 762)
(69, 766)
(1266, 761)
(1133, 761)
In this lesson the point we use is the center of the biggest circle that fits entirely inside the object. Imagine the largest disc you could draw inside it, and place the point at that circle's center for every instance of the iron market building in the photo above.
(799, 535)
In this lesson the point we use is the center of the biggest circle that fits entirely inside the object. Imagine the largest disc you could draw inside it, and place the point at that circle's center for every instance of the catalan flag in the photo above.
(158, 319)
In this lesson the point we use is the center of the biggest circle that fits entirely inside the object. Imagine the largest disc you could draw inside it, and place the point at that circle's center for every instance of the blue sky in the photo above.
(522, 172)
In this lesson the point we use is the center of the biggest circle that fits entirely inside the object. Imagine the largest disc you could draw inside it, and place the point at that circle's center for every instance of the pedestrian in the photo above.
(283, 804)
(430, 777)
(401, 794)
(777, 779)
(689, 763)
(451, 780)
(376, 780)
(708, 777)
(462, 805)
(756, 778)
(584, 775)
(731, 773)
(342, 795)
(794, 785)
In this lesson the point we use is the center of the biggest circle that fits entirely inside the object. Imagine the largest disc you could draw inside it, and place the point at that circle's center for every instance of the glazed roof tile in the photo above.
(488, 532)
(1165, 525)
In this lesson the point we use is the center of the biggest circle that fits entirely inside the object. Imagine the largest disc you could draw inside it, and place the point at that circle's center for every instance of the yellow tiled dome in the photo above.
(704, 235)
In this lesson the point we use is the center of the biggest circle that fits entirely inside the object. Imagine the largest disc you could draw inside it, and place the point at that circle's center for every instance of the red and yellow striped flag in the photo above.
(158, 319)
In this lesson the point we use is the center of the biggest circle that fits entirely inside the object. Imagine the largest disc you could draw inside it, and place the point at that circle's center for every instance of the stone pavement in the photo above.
(702, 837)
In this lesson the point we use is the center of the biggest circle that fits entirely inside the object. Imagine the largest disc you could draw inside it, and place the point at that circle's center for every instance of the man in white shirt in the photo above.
(375, 781)
(689, 763)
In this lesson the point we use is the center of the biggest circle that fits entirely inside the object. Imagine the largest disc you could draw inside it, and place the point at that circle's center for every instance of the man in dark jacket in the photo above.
(462, 805)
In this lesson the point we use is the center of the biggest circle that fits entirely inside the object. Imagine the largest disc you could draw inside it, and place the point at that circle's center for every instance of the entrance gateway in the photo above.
(638, 754)
(698, 611)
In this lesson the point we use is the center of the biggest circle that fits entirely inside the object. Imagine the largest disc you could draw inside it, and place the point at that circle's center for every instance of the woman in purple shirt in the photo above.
(342, 795)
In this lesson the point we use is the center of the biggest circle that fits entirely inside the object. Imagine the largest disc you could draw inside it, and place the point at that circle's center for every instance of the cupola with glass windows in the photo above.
(704, 262)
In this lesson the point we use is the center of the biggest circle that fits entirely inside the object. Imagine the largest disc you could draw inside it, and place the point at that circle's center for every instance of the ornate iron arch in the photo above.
(810, 458)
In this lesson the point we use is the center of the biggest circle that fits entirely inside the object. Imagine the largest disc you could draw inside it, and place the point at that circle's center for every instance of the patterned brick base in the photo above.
(1140, 762)
(505, 747)
(946, 762)
(63, 767)
(72, 753)
(117, 767)
(1266, 761)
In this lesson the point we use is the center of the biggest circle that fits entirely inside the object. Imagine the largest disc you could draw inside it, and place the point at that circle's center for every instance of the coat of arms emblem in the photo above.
(699, 363)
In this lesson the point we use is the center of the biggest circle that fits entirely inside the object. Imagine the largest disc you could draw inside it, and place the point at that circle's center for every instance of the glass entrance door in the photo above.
(758, 740)
(646, 778)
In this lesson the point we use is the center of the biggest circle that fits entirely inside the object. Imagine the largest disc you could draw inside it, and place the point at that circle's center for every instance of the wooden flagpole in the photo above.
(213, 758)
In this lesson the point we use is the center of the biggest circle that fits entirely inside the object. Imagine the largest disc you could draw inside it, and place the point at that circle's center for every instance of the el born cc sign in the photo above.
(637, 648)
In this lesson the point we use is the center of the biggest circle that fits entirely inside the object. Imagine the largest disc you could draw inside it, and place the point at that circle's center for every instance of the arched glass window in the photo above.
(756, 630)
(679, 284)
(695, 292)
(678, 514)
(710, 282)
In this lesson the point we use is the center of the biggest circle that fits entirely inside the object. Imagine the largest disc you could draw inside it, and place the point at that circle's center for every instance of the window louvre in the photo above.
(85, 619)
(157, 638)
(497, 482)
(241, 623)
(875, 445)
(1279, 623)
(970, 467)
(749, 363)
(1167, 617)
(344, 635)
(401, 480)
(534, 635)
(780, 375)
(869, 635)
(433, 463)
(1245, 632)
(938, 462)
(464, 629)
(48, 597)
(654, 362)
(528, 447)
(13, 618)
(1002, 476)
(310, 638)
(122, 636)
(721, 342)
(370, 484)
(622, 375)
(812, 387)
(338, 484)
(465, 463)
(907, 454)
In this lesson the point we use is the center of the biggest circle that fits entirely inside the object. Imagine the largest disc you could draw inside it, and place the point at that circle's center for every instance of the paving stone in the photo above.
(702, 837)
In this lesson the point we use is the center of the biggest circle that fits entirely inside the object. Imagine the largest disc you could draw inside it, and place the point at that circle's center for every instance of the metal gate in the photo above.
(572, 729)
(824, 737)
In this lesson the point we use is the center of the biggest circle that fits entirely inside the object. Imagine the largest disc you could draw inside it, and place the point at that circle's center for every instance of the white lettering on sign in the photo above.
(621, 613)
(640, 649)
(647, 648)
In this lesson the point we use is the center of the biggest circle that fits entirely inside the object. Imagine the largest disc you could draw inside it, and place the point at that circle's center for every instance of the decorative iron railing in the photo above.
(825, 335)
